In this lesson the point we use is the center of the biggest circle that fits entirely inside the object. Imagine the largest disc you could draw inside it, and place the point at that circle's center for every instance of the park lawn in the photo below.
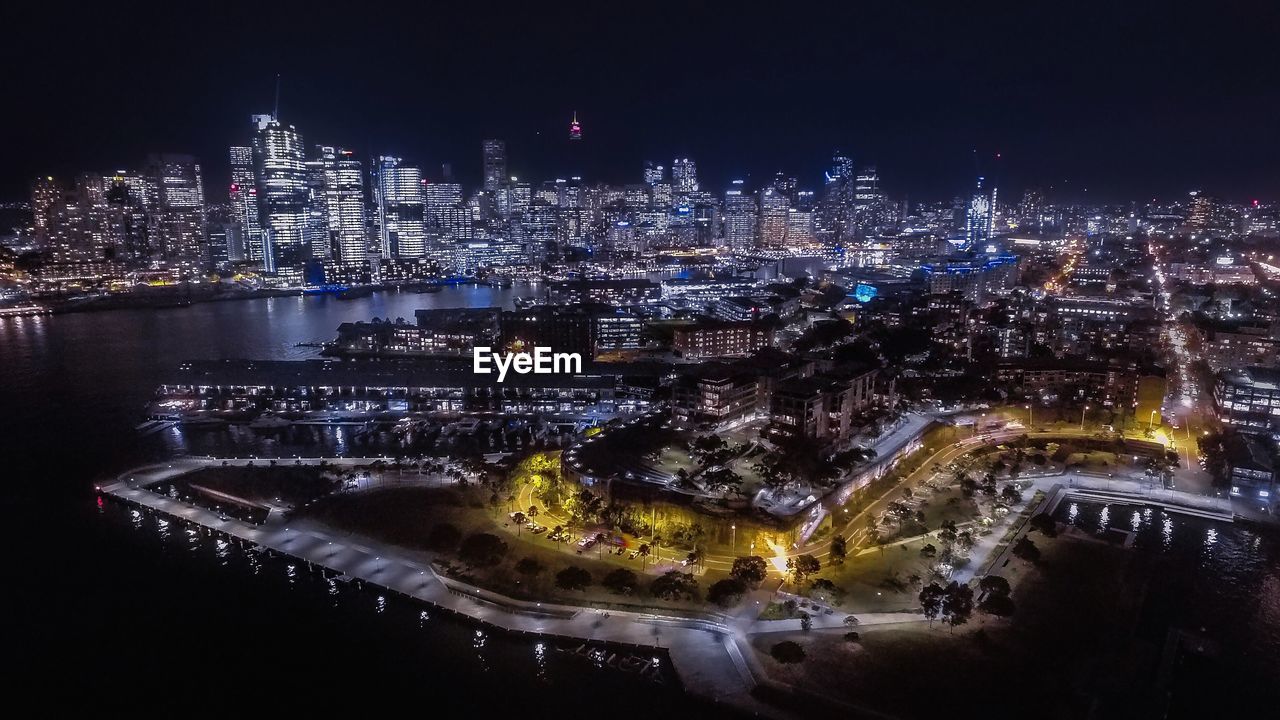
(948, 504)
(1095, 460)
(876, 581)
(405, 516)
(1051, 659)
(288, 484)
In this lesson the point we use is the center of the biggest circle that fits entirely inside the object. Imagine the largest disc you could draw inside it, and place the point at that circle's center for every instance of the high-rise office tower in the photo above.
(774, 208)
(866, 187)
(398, 196)
(684, 175)
(243, 195)
(45, 193)
(1202, 211)
(341, 198)
(439, 197)
(978, 216)
(179, 214)
(495, 164)
(653, 174)
(739, 218)
(575, 128)
(280, 176)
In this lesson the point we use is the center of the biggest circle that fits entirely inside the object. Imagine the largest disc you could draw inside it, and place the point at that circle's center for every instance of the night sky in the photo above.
(1094, 102)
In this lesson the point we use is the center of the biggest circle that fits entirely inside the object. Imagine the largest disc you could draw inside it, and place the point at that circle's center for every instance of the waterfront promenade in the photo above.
(711, 657)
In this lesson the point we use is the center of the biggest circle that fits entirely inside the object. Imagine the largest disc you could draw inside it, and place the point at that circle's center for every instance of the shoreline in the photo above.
(705, 655)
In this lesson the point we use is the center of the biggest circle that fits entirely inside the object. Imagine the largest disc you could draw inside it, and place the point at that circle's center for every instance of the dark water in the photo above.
(1213, 580)
(107, 612)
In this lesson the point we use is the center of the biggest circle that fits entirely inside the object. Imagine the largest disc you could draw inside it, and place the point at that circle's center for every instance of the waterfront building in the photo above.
(1249, 399)
(243, 194)
(341, 200)
(280, 178)
(395, 386)
(398, 197)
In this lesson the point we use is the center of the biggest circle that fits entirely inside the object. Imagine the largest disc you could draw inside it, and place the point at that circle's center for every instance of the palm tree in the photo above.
(599, 545)
(644, 554)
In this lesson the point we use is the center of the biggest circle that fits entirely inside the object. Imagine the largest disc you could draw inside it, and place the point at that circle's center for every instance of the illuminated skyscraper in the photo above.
(280, 175)
(774, 209)
(401, 208)
(243, 195)
(495, 165)
(684, 175)
(575, 128)
(739, 218)
(979, 216)
(653, 174)
(45, 193)
(178, 219)
(336, 216)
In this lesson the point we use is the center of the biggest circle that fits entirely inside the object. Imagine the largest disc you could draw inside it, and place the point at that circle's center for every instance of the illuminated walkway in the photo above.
(710, 656)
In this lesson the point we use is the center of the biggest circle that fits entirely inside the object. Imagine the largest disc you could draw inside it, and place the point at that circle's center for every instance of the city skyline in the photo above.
(912, 95)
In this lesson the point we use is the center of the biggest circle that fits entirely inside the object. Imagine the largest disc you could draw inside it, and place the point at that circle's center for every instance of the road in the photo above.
(852, 525)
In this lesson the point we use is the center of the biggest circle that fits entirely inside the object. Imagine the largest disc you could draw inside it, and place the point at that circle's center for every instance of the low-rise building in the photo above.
(715, 338)
(1250, 467)
(1249, 399)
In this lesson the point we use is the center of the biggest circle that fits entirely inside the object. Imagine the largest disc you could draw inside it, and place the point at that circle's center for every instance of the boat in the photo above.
(428, 289)
(269, 421)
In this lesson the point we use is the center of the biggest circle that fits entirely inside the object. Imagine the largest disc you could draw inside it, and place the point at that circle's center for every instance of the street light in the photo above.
(1031, 414)
(1151, 421)
(1082, 412)
(734, 528)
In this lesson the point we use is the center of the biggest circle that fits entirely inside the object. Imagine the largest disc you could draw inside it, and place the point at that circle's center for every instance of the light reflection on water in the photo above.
(1219, 578)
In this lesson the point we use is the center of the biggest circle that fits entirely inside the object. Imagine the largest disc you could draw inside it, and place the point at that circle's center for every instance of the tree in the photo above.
(1010, 495)
(721, 479)
(850, 621)
(444, 537)
(482, 550)
(621, 581)
(644, 551)
(998, 605)
(802, 566)
(750, 570)
(994, 585)
(806, 622)
(1045, 523)
(839, 548)
(931, 601)
(787, 652)
(852, 637)
(529, 567)
(957, 604)
(673, 585)
(727, 593)
(532, 511)
(573, 578)
(928, 551)
(824, 587)
(1026, 549)
(947, 533)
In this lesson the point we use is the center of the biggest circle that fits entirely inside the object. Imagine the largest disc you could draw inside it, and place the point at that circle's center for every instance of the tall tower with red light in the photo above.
(575, 128)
